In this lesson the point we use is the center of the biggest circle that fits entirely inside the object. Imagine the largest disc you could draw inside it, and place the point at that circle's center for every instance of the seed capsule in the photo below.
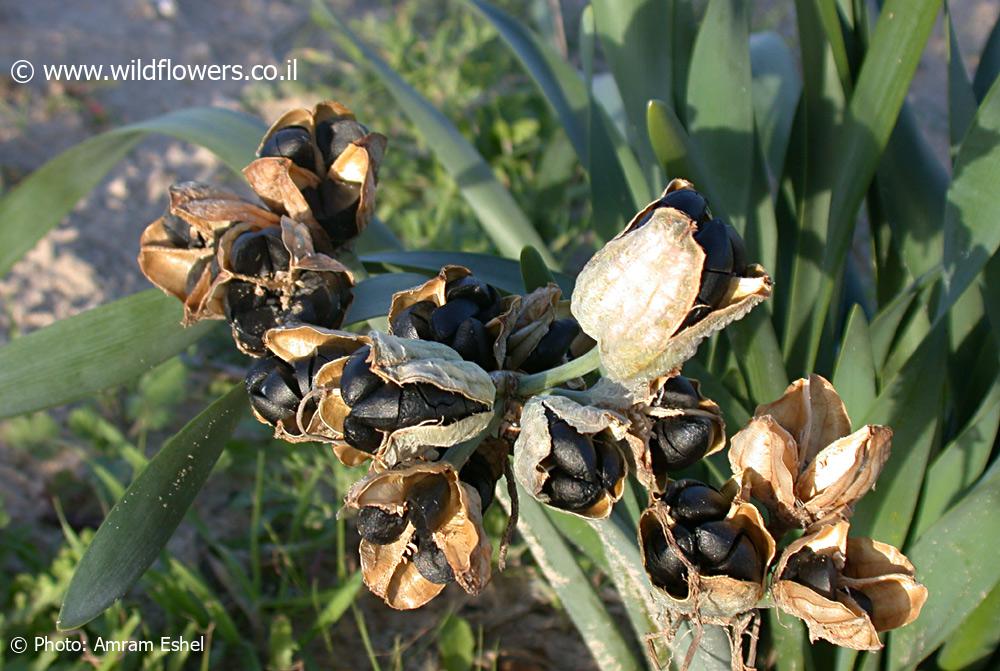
(291, 142)
(430, 560)
(693, 503)
(380, 526)
(679, 441)
(414, 322)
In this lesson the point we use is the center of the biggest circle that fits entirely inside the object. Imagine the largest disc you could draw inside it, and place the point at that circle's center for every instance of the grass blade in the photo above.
(42, 199)
(94, 350)
(777, 87)
(139, 526)
(854, 376)
(501, 218)
(989, 64)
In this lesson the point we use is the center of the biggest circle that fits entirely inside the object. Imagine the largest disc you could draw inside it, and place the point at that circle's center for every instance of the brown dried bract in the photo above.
(798, 457)
(634, 295)
(883, 575)
(387, 569)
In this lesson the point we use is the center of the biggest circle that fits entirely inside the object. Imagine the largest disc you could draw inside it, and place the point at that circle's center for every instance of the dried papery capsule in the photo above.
(459, 310)
(544, 335)
(271, 277)
(320, 167)
(569, 456)
(675, 428)
(661, 286)
(707, 557)
(847, 590)
(799, 458)
(417, 561)
(176, 250)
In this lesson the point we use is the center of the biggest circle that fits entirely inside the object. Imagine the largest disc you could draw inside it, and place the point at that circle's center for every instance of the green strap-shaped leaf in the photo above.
(777, 87)
(674, 149)
(989, 64)
(501, 218)
(578, 532)
(597, 627)
(977, 637)
(952, 560)
(830, 18)
(42, 199)
(533, 269)
(962, 101)
(138, 527)
(720, 108)
(854, 377)
(504, 274)
(94, 350)
(373, 295)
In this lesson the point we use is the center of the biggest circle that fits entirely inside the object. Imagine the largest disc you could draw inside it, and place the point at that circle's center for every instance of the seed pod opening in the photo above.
(847, 590)
(661, 286)
(457, 309)
(544, 334)
(176, 250)
(702, 554)
(415, 566)
(320, 167)
(798, 457)
(570, 456)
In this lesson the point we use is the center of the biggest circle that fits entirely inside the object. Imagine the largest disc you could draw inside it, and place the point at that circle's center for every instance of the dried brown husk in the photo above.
(798, 457)
(185, 272)
(387, 569)
(647, 413)
(714, 598)
(433, 290)
(279, 181)
(299, 241)
(635, 293)
(878, 570)
(533, 447)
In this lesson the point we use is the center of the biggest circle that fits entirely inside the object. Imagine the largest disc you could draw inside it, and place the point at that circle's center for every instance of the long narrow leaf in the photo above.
(854, 377)
(777, 86)
(94, 350)
(139, 526)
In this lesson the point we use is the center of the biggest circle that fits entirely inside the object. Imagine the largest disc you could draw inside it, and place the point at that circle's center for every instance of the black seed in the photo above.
(716, 540)
(291, 142)
(693, 502)
(180, 233)
(446, 319)
(360, 436)
(380, 408)
(306, 369)
(572, 494)
(473, 289)
(379, 526)
(477, 472)
(688, 201)
(714, 239)
(679, 441)
(678, 392)
(666, 570)
(317, 300)
(249, 326)
(862, 600)
(281, 388)
(357, 379)
(612, 464)
(696, 314)
(266, 395)
(743, 562)
(424, 402)
(431, 562)
(713, 289)
(427, 502)
(333, 136)
(552, 347)
(815, 571)
(572, 452)
(472, 343)
(414, 321)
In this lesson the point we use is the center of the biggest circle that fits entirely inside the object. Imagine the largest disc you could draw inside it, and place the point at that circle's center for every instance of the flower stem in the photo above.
(530, 385)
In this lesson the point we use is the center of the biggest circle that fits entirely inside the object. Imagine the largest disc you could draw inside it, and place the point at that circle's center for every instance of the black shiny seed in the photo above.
(335, 206)
(678, 392)
(431, 562)
(612, 466)
(570, 493)
(307, 367)
(258, 253)
(379, 526)
(273, 389)
(716, 540)
(357, 379)
(688, 201)
(473, 289)
(424, 402)
(472, 343)
(815, 571)
(692, 502)
(427, 502)
(318, 299)
(679, 441)
(862, 600)
(477, 472)
(743, 562)
(572, 453)
(180, 233)
(333, 136)
(360, 436)
(666, 570)
(291, 142)
(553, 346)
(414, 321)
(380, 408)
(446, 319)
(714, 239)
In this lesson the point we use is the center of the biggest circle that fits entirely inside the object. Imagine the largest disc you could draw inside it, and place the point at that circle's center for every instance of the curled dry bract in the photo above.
(878, 570)
(634, 296)
(533, 447)
(388, 570)
(798, 457)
